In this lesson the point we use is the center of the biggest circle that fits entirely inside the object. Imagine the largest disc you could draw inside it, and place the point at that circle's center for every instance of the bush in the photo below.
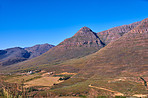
(65, 78)
(83, 96)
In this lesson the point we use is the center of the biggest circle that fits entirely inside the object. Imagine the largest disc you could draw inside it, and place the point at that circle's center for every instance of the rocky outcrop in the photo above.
(142, 28)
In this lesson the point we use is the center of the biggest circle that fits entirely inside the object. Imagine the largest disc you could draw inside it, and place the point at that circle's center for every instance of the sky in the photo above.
(24, 23)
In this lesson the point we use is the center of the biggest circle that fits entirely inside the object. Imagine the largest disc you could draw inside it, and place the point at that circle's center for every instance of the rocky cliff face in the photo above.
(115, 33)
(142, 28)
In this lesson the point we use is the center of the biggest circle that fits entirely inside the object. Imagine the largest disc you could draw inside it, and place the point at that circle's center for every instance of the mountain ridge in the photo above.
(38, 50)
(84, 42)
(112, 34)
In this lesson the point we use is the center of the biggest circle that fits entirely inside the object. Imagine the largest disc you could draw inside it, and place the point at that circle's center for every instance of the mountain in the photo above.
(128, 55)
(38, 50)
(14, 55)
(83, 43)
(116, 67)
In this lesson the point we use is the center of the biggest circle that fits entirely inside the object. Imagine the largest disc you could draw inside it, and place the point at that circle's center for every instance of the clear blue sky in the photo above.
(28, 22)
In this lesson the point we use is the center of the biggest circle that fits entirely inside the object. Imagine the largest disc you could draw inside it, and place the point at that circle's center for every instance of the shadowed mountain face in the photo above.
(37, 50)
(83, 43)
(14, 55)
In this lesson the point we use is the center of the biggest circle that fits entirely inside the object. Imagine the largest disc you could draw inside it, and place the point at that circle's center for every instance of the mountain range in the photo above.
(15, 55)
(123, 46)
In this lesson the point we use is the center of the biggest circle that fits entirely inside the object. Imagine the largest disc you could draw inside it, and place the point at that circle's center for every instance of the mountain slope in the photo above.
(116, 32)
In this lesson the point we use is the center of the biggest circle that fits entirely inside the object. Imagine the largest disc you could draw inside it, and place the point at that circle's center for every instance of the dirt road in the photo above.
(115, 92)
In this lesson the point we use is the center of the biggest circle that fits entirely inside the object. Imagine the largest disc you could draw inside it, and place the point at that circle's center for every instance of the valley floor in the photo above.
(47, 84)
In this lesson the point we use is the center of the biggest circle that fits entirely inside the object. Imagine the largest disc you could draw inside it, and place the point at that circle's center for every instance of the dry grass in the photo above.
(69, 97)
(18, 79)
(44, 81)
(66, 73)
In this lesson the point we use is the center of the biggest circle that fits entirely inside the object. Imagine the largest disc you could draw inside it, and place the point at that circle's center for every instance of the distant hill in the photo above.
(15, 55)
(37, 50)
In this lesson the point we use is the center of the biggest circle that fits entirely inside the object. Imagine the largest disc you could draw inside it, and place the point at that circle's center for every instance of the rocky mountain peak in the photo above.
(85, 37)
(85, 29)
